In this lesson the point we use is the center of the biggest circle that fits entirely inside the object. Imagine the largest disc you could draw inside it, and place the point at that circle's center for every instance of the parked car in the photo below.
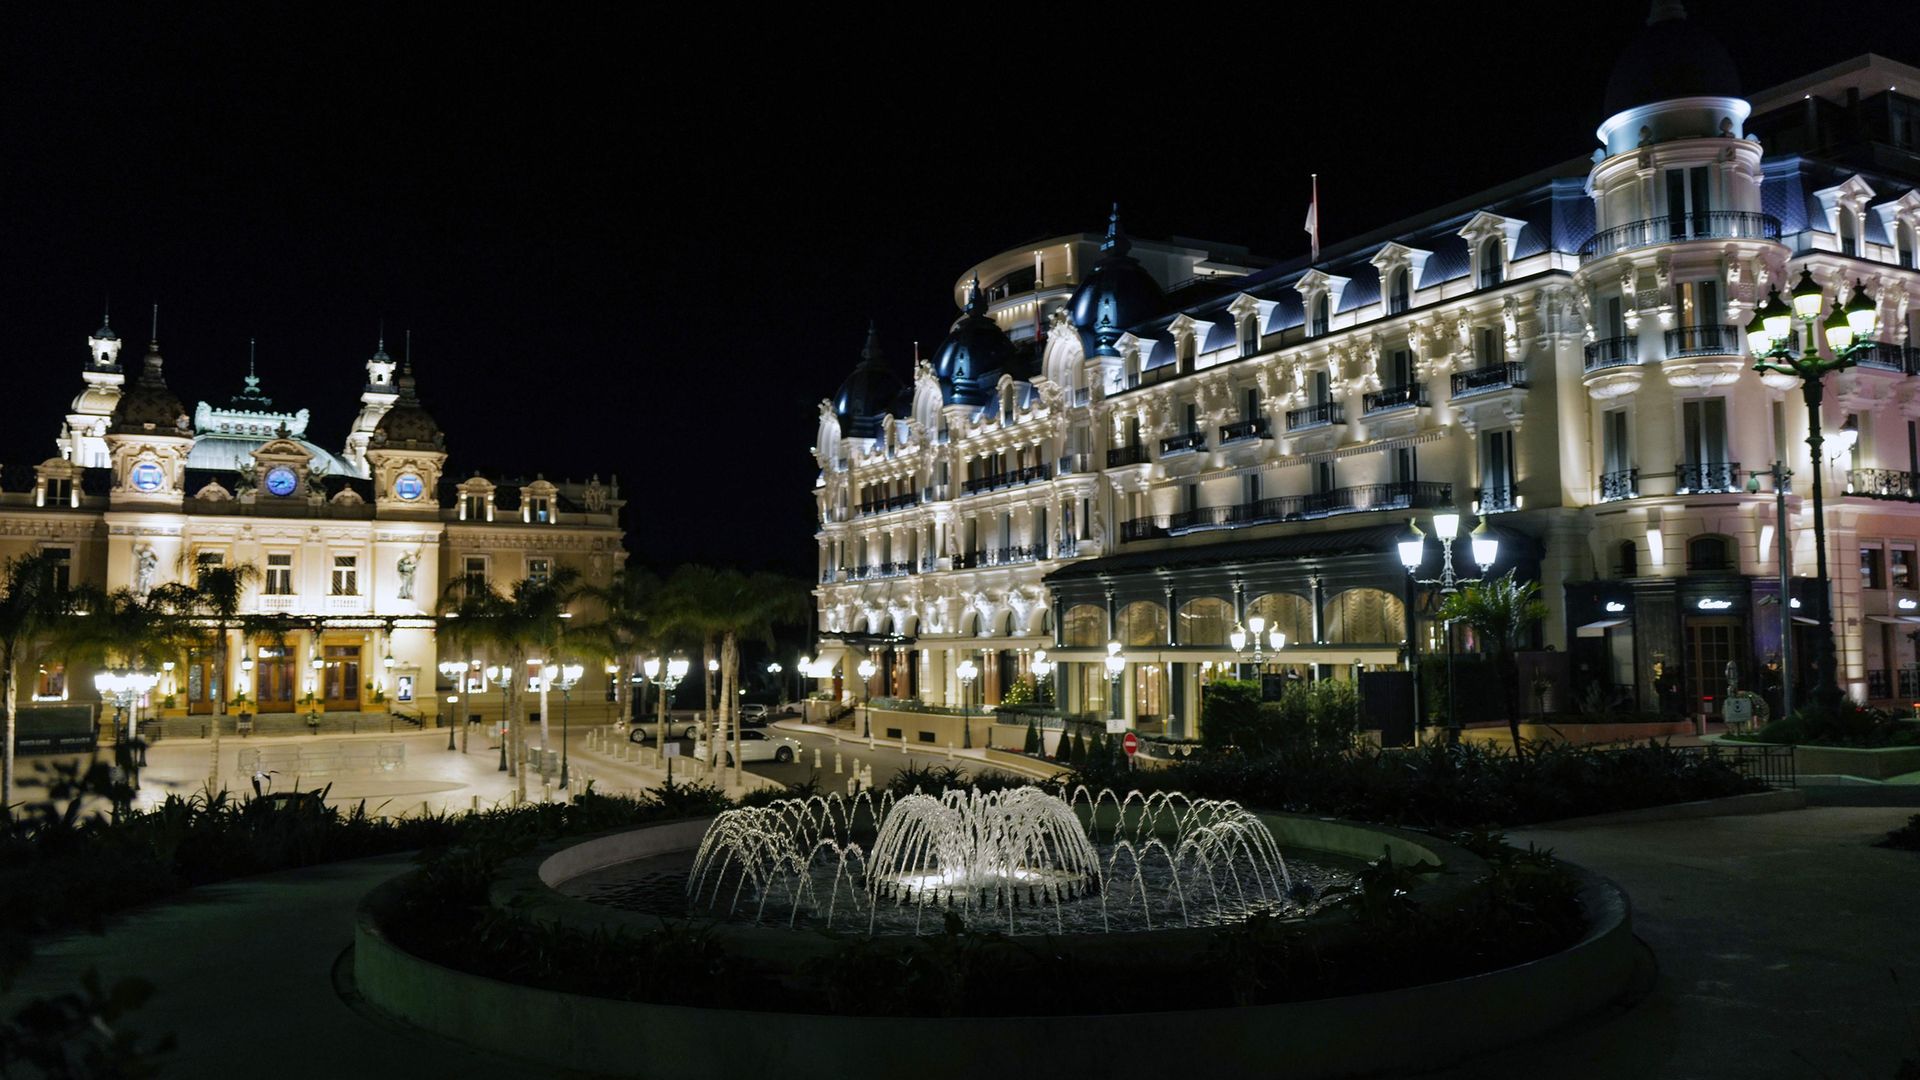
(751, 713)
(755, 745)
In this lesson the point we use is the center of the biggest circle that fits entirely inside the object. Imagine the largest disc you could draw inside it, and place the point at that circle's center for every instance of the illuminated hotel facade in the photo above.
(353, 548)
(1149, 444)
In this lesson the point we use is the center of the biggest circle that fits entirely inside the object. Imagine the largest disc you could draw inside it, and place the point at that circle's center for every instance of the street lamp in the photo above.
(1255, 632)
(1413, 552)
(866, 670)
(569, 677)
(1116, 665)
(1042, 670)
(454, 672)
(1782, 481)
(967, 672)
(123, 688)
(665, 677)
(1770, 338)
(501, 674)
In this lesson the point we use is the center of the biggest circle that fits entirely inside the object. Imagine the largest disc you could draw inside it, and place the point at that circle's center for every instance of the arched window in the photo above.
(1086, 624)
(1400, 292)
(1290, 614)
(1321, 316)
(1205, 621)
(1366, 616)
(1629, 559)
(1709, 553)
(1492, 263)
(1142, 622)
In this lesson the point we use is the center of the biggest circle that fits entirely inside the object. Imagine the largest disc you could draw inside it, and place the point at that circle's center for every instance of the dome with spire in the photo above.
(1674, 57)
(868, 392)
(1117, 293)
(973, 353)
(407, 426)
(148, 405)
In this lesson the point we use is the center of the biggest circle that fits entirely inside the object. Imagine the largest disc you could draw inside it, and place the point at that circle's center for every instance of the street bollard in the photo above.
(816, 759)
(476, 804)
(836, 763)
(546, 791)
(949, 751)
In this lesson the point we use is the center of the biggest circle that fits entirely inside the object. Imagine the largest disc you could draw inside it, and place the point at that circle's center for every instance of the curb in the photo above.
(1759, 802)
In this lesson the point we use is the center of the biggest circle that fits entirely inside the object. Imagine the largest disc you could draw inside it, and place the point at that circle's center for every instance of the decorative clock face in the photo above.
(281, 481)
(409, 486)
(147, 476)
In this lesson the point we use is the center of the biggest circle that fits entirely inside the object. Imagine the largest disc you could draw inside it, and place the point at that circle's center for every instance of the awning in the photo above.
(829, 659)
(1598, 627)
(1802, 620)
(1292, 654)
(1893, 620)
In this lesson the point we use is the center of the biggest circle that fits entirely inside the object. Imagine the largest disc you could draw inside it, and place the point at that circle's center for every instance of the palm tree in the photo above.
(530, 621)
(33, 607)
(469, 617)
(1502, 613)
(121, 629)
(692, 604)
(631, 621)
(738, 606)
(213, 602)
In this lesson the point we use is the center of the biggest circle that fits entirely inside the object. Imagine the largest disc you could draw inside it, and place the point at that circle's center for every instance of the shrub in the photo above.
(1906, 837)
(1849, 725)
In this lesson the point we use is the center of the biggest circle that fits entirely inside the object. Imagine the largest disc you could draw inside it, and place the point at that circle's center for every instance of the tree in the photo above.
(1502, 614)
(516, 627)
(120, 629)
(32, 607)
(470, 614)
(631, 622)
(213, 602)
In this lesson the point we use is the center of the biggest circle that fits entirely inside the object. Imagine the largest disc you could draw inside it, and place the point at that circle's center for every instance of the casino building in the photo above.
(353, 547)
(1147, 445)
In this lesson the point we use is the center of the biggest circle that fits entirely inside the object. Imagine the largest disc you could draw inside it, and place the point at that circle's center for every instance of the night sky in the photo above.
(632, 242)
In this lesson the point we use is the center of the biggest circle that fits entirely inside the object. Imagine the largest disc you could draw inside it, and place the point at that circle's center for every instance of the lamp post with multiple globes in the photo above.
(564, 677)
(966, 672)
(1779, 347)
(664, 676)
(123, 688)
(501, 675)
(866, 669)
(455, 672)
(1413, 552)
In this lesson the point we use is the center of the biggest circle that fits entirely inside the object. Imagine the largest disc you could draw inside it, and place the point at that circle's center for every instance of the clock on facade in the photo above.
(147, 476)
(408, 486)
(281, 481)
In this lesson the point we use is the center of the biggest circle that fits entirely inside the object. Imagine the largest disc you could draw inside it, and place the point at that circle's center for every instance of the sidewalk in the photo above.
(1005, 760)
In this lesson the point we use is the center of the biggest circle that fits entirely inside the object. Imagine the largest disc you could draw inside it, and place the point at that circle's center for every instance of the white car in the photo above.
(755, 746)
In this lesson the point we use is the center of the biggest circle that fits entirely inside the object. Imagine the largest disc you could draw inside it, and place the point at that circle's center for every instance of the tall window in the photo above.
(1250, 334)
(1193, 417)
(1615, 314)
(1496, 470)
(1616, 457)
(1903, 245)
(1700, 303)
(207, 560)
(346, 575)
(1252, 404)
(1400, 367)
(1871, 574)
(1323, 478)
(1322, 316)
(280, 573)
(1250, 488)
(1689, 206)
(473, 508)
(1849, 238)
(1493, 267)
(1900, 567)
(1406, 466)
(1492, 351)
(1629, 559)
(1399, 292)
(1320, 387)
(1705, 431)
(62, 559)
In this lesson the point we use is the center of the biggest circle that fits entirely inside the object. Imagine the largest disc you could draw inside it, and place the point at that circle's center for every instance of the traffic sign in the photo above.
(1131, 744)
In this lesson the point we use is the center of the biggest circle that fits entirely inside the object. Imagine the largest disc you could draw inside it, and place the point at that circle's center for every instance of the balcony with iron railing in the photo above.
(1258, 427)
(1678, 228)
(1133, 454)
(887, 503)
(1620, 484)
(1883, 484)
(1074, 464)
(1325, 414)
(1612, 352)
(1361, 498)
(1506, 376)
(1389, 398)
(1706, 478)
(1184, 443)
(880, 570)
(1887, 356)
(1496, 499)
(1011, 478)
(1704, 340)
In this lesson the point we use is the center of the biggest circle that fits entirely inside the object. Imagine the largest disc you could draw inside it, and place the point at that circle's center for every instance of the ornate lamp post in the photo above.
(664, 676)
(500, 674)
(565, 677)
(1413, 552)
(1771, 339)
(967, 672)
(315, 689)
(1116, 665)
(1255, 632)
(866, 670)
(123, 688)
(1043, 669)
(454, 672)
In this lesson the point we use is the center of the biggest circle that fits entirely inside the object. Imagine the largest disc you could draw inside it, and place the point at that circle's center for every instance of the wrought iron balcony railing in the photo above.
(1184, 442)
(1388, 398)
(1613, 352)
(1497, 499)
(1494, 377)
(1136, 454)
(1620, 484)
(1316, 416)
(1706, 225)
(1706, 340)
(1258, 427)
(1399, 495)
(1887, 356)
(1883, 484)
(1698, 478)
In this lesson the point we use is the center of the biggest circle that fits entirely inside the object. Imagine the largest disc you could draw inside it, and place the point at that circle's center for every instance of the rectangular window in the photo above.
(1616, 317)
(1253, 404)
(473, 508)
(539, 570)
(1616, 457)
(474, 569)
(280, 574)
(1400, 367)
(540, 510)
(59, 491)
(1250, 335)
(1492, 351)
(1871, 575)
(1406, 468)
(346, 575)
(1189, 496)
(1251, 488)
(52, 682)
(1323, 479)
(1193, 417)
(62, 559)
(1397, 298)
(1689, 207)
(1705, 431)
(1496, 470)
(1320, 387)
(1900, 567)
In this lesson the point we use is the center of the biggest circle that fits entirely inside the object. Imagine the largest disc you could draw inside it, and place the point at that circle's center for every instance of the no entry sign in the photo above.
(1131, 744)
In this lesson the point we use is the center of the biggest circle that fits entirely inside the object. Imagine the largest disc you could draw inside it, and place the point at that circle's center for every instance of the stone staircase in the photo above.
(294, 723)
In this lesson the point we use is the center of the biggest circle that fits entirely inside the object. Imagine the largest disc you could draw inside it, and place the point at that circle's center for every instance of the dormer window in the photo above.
(1399, 292)
(473, 508)
(1903, 245)
(1492, 262)
(1849, 235)
(1184, 350)
(1249, 335)
(1318, 325)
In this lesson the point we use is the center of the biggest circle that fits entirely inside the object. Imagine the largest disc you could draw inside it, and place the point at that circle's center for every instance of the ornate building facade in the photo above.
(353, 548)
(1147, 445)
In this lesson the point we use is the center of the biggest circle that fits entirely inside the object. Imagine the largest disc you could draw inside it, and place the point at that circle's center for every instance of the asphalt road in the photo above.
(885, 762)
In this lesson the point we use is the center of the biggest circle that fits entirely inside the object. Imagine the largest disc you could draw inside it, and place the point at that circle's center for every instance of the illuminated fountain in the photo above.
(1024, 860)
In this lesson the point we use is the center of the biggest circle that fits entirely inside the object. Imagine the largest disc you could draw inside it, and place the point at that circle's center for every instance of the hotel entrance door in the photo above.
(341, 677)
(203, 681)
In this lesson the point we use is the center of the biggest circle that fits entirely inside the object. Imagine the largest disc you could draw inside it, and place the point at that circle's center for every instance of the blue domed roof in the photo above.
(868, 393)
(1117, 293)
(1674, 57)
(975, 351)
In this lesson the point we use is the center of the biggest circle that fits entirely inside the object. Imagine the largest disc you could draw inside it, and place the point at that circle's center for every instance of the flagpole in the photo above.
(1316, 217)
